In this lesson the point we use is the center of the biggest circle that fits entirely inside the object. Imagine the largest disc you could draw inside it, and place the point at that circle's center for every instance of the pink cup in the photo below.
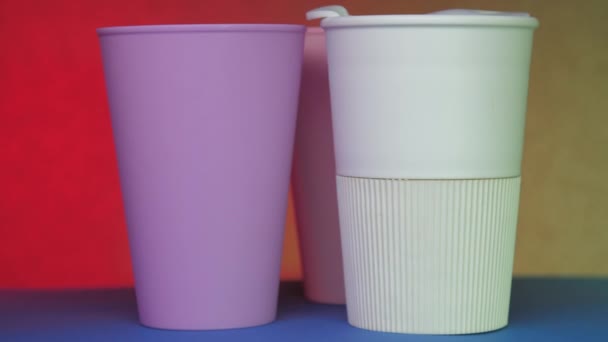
(314, 179)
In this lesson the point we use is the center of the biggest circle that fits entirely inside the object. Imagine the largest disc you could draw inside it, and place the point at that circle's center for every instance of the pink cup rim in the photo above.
(181, 28)
(314, 30)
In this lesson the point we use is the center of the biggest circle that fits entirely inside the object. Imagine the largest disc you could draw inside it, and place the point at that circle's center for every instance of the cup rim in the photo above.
(413, 20)
(314, 30)
(184, 28)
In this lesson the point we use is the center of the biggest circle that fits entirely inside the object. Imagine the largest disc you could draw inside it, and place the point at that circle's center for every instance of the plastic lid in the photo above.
(337, 16)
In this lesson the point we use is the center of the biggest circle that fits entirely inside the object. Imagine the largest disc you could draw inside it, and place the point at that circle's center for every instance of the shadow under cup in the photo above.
(203, 118)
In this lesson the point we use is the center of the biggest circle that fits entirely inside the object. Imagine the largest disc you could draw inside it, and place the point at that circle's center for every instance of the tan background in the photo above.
(563, 225)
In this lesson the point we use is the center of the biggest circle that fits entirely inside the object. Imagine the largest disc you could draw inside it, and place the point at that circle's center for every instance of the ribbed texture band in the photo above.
(428, 256)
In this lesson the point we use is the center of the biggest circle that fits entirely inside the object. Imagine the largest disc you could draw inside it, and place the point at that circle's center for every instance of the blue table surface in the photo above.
(542, 309)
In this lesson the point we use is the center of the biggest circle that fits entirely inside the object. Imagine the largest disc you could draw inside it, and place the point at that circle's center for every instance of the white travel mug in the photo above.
(428, 116)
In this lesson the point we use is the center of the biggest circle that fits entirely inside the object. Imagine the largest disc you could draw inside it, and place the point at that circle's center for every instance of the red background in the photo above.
(61, 215)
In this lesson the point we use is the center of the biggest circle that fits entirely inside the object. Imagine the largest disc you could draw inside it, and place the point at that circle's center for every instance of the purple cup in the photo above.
(203, 118)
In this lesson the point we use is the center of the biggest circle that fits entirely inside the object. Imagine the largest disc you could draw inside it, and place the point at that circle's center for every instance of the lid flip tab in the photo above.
(326, 12)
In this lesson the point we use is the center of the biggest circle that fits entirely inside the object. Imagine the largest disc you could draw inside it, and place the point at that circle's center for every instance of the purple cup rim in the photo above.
(181, 28)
